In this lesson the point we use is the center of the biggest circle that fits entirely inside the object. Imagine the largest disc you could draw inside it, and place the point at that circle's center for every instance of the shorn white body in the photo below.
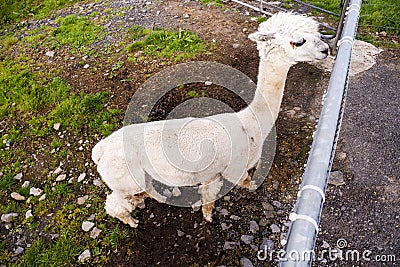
(192, 151)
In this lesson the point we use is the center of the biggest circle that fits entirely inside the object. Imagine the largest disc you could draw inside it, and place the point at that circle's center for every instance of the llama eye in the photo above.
(298, 44)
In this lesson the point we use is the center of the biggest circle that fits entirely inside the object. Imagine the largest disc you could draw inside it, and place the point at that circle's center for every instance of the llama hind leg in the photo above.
(118, 207)
(209, 191)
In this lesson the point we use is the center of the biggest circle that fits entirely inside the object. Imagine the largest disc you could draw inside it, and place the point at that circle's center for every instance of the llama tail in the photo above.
(97, 152)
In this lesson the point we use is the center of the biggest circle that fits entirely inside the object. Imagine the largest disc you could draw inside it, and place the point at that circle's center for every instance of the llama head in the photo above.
(296, 36)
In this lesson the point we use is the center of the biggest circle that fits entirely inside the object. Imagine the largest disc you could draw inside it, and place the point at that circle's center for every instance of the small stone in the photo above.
(245, 262)
(56, 126)
(235, 46)
(383, 33)
(180, 233)
(84, 256)
(95, 232)
(277, 204)
(227, 198)
(224, 226)
(224, 212)
(151, 216)
(92, 217)
(81, 177)
(208, 83)
(176, 192)
(28, 214)
(19, 250)
(86, 226)
(35, 191)
(247, 239)
(61, 177)
(263, 222)
(25, 184)
(17, 196)
(196, 206)
(81, 200)
(86, 66)
(18, 176)
(8, 217)
(57, 171)
(244, 29)
(42, 197)
(336, 178)
(290, 112)
(50, 53)
(275, 228)
(267, 206)
(254, 227)
(1, 174)
(186, 16)
(234, 217)
(167, 193)
(230, 245)
(97, 182)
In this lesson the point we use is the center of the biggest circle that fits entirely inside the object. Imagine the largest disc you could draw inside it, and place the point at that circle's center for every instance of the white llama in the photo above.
(131, 157)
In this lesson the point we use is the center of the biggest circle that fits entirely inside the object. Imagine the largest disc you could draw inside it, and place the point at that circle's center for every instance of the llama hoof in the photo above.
(208, 218)
(132, 222)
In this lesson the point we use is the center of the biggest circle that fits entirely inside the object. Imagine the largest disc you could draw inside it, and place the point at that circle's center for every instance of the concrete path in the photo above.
(363, 215)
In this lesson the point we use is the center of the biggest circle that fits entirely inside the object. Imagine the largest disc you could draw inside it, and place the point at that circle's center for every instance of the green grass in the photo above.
(15, 10)
(77, 32)
(212, 2)
(161, 43)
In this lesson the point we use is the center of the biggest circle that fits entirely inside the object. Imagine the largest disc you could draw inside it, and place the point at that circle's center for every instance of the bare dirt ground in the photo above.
(243, 222)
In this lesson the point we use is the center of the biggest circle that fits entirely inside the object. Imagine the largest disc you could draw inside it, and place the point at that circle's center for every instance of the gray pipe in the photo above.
(302, 232)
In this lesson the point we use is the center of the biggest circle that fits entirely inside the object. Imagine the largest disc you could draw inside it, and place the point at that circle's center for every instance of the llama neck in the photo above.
(268, 97)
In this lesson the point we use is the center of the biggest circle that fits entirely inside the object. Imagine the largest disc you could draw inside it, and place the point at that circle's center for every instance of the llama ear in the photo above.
(261, 37)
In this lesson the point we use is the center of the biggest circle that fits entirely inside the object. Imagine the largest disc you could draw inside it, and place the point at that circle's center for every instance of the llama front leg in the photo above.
(119, 207)
(247, 183)
(209, 191)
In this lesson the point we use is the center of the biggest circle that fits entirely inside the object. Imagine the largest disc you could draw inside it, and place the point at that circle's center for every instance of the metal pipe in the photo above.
(305, 219)
(260, 9)
(317, 8)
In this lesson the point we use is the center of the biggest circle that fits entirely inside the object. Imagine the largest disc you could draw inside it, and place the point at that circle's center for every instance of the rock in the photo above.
(42, 197)
(230, 245)
(176, 192)
(277, 204)
(17, 196)
(50, 53)
(81, 200)
(267, 206)
(86, 226)
(275, 228)
(28, 214)
(245, 262)
(234, 217)
(167, 193)
(18, 176)
(8, 217)
(254, 227)
(325, 244)
(227, 198)
(224, 226)
(61, 177)
(25, 184)
(81, 177)
(267, 244)
(19, 250)
(1, 174)
(97, 182)
(92, 217)
(95, 232)
(208, 83)
(247, 239)
(180, 233)
(35, 191)
(263, 222)
(86, 66)
(336, 178)
(85, 256)
(235, 46)
(151, 216)
(224, 212)
(56, 126)
(186, 16)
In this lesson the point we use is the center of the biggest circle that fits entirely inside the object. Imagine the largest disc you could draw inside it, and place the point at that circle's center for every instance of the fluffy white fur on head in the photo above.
(288, 24)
